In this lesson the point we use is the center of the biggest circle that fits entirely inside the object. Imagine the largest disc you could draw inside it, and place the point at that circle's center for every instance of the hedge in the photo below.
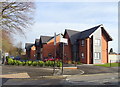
(34, 63)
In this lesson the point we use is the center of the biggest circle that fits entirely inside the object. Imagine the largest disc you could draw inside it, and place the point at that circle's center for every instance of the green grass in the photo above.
(108, 65)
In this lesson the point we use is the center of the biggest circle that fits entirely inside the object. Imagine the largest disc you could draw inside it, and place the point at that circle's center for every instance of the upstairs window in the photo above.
(97, 42)
(82, 42)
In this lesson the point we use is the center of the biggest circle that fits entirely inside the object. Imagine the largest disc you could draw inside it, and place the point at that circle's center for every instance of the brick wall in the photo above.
(67, 50)
(83, 49)
(104, 49)
(49, 48)
(32, 53)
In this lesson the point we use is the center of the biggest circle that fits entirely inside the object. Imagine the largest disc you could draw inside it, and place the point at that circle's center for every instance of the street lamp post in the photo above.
(62, 58)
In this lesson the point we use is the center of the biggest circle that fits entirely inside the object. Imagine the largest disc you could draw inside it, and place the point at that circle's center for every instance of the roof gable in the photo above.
(28, 46)
(44, 39)
(73, 35)
(37, 42)
(108, 37)
(60, 34)
(86, 33)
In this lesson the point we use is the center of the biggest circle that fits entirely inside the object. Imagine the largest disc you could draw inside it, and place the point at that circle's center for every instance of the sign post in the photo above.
(62, 58)
(63, 41)
(55, 52)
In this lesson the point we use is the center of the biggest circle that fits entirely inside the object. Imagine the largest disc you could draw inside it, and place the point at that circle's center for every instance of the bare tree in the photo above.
(19, 48)
(16, 16)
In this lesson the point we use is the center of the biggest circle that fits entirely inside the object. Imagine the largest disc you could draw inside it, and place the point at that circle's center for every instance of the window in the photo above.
(97, 55)
(97, 42)
(82, 55)
(83, 42)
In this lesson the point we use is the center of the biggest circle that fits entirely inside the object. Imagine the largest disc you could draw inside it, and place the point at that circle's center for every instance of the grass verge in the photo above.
(109, 65)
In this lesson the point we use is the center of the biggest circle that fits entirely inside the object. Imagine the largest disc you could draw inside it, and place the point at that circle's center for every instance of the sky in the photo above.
(53, 17)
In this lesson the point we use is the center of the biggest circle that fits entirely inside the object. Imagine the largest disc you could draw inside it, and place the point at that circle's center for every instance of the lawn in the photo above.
(109, 65)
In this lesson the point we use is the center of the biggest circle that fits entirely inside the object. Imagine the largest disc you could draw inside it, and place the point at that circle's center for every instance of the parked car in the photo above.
(17, 58)
(45, 59)
(51, 59)
(57, 59)
(12, 57)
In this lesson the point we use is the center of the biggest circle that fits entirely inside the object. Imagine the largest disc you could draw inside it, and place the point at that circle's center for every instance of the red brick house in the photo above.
(37, 51)
(30, 51)
(47, 47)
(89, 46)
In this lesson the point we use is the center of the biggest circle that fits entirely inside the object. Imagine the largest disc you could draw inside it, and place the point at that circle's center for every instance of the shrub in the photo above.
(10, 61)
(29, 63)
(14, 62)
(73, 62)
(23, 63)
(40, 63)
(51, 63)
(59, 64)
(47, 63)
(34, 63)
(79, 63)
(18, 62)
(69, 62)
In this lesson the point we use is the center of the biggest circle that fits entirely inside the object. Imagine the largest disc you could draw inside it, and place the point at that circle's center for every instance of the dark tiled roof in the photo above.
(54, 36)
(37, 42)
(86, 33)
(75, 35)
(28, 46)
(44, 39)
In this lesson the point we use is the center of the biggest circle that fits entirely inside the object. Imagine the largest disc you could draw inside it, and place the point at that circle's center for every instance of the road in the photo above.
(94, 79)
(29, 75)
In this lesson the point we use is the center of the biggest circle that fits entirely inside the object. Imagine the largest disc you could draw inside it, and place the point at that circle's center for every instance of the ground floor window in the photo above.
(82, 55)
(97, 55)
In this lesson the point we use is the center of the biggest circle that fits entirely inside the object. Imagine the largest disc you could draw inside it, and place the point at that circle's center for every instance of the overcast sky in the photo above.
(53, 17)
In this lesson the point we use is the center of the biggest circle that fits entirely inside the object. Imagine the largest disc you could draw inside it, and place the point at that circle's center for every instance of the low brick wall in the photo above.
(113, 58)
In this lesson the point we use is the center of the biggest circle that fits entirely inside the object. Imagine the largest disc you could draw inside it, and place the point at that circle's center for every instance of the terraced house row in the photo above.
(89, 46)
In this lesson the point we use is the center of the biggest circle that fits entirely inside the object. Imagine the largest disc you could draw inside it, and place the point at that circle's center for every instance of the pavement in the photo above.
(36, 81)
(17, 75)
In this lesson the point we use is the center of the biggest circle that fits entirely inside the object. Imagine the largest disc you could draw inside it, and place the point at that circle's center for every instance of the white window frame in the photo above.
(97, 55)
(97, 42)
(82, 42)
(82, 55)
